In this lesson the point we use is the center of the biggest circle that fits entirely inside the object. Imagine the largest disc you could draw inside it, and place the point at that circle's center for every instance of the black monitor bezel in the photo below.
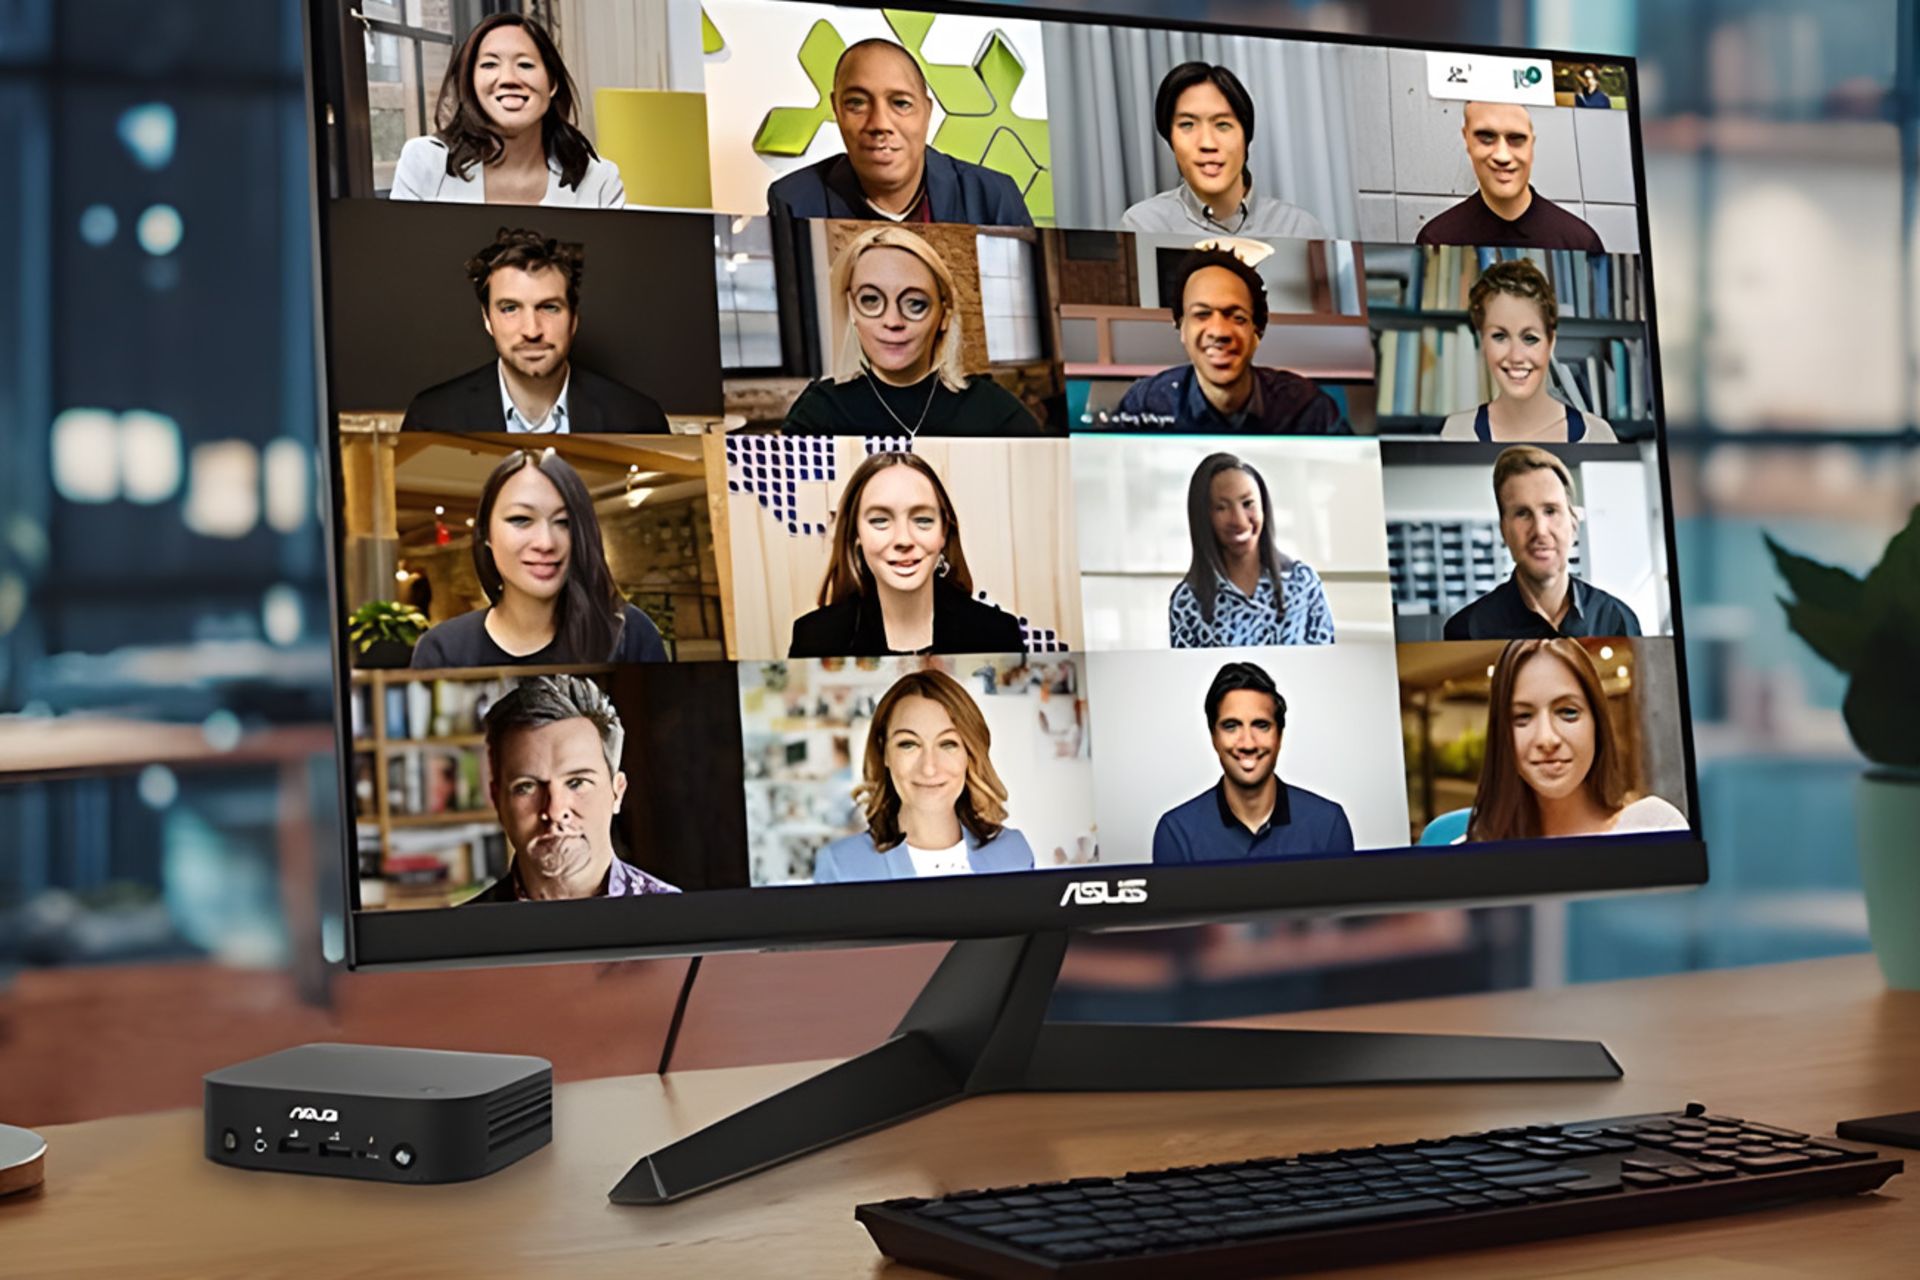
(888, 913)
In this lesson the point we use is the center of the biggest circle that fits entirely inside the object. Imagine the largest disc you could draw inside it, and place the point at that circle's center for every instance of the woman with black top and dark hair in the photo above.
(898, 581)
(537, 553)
(1240, 589)
(505, 131)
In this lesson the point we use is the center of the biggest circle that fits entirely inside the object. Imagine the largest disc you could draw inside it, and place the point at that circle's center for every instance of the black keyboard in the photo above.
(1323, 1209)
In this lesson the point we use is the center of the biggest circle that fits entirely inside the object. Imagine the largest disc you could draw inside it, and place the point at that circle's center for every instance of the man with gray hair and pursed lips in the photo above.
(883, 107)
(553, 750)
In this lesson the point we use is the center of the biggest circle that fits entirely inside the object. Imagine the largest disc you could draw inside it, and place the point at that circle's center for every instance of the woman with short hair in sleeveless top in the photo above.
(1516, 317)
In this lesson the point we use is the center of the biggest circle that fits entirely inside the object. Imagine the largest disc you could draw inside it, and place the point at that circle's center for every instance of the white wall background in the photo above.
(1152, 750)
(1411, 162)
(760, 68)
(1131, 498)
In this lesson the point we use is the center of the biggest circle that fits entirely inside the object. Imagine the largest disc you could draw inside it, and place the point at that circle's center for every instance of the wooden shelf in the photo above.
(443, 740)
(1570, 326)
(441, 819)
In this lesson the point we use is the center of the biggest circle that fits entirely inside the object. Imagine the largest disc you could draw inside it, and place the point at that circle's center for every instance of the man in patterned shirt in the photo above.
(553, 749)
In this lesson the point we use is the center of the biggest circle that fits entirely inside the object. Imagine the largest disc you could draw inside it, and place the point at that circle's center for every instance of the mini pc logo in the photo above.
(1101, 893)
(329, 1116)
(1526, 77)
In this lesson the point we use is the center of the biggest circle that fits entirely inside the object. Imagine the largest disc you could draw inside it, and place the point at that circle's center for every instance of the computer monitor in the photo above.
(822, 475)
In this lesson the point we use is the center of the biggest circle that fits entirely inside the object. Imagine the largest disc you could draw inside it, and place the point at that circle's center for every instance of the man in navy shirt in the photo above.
(1250, 812)
(1219, 305)
(1541, 599)
(883, 107)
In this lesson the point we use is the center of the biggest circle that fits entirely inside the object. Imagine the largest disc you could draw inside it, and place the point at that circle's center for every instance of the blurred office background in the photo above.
(168, 807)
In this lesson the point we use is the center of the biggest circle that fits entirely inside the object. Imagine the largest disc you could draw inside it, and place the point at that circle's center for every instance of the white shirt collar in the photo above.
(555, 423)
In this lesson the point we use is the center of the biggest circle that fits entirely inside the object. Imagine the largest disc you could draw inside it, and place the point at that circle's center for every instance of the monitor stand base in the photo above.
(979, 1026)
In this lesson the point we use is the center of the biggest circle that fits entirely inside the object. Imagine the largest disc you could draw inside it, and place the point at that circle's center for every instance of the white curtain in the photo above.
(1101, 83)
(652, 44)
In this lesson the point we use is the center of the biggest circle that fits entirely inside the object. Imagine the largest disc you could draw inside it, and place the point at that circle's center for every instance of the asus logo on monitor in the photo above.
(1101, 893)
(328, 1116)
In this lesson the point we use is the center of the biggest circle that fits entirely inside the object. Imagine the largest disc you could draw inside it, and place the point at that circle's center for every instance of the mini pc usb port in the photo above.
(336, 1150)
(291, 1146)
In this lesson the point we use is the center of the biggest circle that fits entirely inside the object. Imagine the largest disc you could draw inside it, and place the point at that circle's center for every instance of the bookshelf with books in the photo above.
(1428, 362)
(428, 836)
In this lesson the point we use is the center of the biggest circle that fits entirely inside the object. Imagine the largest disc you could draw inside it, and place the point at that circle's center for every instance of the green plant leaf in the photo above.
(1840, 638)
(1892, 590)
(1820, 585)
(1882, 706)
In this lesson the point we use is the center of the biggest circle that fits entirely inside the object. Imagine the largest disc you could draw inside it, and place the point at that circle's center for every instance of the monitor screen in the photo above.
(810, 473)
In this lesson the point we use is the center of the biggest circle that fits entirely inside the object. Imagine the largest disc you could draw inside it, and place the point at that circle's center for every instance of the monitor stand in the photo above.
(979, 1026)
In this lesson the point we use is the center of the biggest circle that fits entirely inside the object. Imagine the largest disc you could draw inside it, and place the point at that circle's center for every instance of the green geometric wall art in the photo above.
(710, 41)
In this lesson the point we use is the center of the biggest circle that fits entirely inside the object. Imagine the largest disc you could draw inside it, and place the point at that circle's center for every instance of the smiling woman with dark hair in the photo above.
(1240, 588)
(1556, 762)
(505, 128)
(538, 555)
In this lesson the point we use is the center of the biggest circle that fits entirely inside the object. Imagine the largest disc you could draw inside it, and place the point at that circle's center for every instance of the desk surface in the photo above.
(1802, 1045)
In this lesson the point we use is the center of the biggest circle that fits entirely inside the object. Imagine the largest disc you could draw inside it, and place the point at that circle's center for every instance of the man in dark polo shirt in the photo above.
(1219, 305)
(1542, 599)
(1506, 210)
(883, 107)
(553, 751)
(1250, 812)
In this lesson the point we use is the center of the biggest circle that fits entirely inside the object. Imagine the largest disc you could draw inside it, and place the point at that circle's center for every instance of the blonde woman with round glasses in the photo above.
(896, 355)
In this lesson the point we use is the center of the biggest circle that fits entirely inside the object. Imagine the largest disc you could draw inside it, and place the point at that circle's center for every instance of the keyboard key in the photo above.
(1059, 1237)
(1683, 1173)
(1772, 1162)
(1513, 1166)
(1538, 1179)
(1714, 1170)
(1644, 1178)
(1822, 1154)
(1596, 1184)
(1544, 1193)
(1502, 1196)
(1768, 1131)
(1605, 1143)
(983, 1219)
(1279, 1223)
(1468, 1200)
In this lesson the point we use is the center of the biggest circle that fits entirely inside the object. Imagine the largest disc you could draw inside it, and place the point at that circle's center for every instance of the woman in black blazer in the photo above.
(898, 580)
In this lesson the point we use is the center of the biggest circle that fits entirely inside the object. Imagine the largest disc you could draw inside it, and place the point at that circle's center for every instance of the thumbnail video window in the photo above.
(1492, 543)
(1519, 739)
(1212, 335)
(909, 331)
(472, 551)
(446, 318)
(1204, 542)
(499, 787)
(846, 547)
(904, 767)
(1509, 345)
(1212, 756)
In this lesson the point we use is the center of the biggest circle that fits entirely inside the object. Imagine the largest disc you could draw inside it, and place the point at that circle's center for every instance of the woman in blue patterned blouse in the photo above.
(1239, 589)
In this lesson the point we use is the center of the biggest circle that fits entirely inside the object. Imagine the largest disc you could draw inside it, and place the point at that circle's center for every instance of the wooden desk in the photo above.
(1801, 1044)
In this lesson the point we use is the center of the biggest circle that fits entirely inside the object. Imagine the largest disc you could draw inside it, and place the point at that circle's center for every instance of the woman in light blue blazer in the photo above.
(933, 803)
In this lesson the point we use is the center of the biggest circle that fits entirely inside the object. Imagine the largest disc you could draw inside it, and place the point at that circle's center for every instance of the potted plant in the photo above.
(384, 632)
(1870, 629)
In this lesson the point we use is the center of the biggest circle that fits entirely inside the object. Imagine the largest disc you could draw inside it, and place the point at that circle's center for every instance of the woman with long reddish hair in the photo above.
(1556, 764)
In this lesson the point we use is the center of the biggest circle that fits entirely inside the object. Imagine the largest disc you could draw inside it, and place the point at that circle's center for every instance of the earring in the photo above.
(944, 568)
